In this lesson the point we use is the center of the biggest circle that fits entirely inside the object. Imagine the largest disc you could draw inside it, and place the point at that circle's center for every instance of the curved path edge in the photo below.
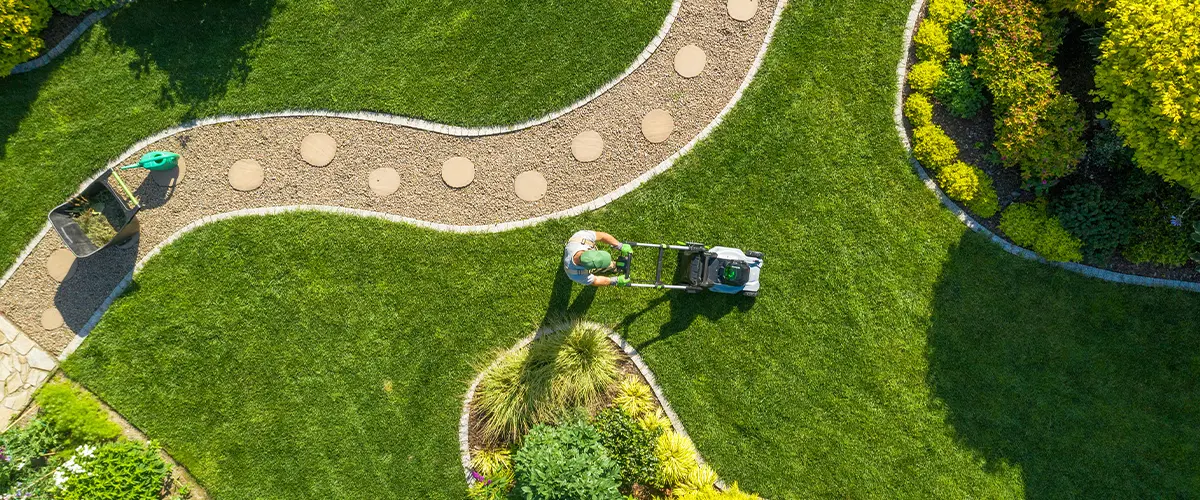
(65, 43)
(465, 418)
(974, 225)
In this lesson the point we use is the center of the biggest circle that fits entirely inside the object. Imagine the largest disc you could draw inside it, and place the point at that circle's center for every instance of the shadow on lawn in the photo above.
(1107, 410)
(17, 94)
(202, 46)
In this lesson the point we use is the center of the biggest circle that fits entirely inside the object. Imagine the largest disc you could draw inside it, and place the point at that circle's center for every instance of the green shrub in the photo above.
(1045, 142)
(676, 456)
(1161, 236)
(701, 481)
(960, 92)
(76, 7)
(75, 413)
(925, 76)
(537, 383)
(124, 469)
(631, 446)
(971, 186)
(1108, 151)
(962, 42)
(1028, 225)
(25, 450)
(1149, 69)
(1102, 223)
(932, 42)
(985, 203)
(733, 493)
(918, 110)
(944, 12)
(933, 148)
(1090, 11)
(21, 21)
(565, 462)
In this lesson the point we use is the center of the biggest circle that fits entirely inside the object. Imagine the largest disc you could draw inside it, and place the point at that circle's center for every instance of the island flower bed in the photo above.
(569, 415)
(1017, 110)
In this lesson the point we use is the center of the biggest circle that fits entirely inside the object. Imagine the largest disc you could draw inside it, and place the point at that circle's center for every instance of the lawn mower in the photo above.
(718, 269)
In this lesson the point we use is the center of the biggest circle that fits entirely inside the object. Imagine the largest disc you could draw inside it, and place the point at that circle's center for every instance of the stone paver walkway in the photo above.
(23, 367)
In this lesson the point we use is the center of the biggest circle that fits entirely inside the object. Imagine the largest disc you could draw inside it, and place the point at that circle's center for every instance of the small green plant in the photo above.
(493, 464)
(986, 203)
(925, 76)
(76, 7)
(635, 397)
(944, 12)
(655, 422)
(959, 181)
(75, 414)
(961, 40)
(565, 462)
(124, 469)
(1161, 236)
(959, 91)
(733, 493)
(1104, 224)
(24, 452)
(701, 480)
(677, 456)
(918, 110)
(631, 446)
(933, 148)
(932, 43)
(1028, 225)
(21, 21)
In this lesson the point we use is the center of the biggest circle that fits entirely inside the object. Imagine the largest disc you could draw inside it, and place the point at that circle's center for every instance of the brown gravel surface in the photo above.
(731, 47)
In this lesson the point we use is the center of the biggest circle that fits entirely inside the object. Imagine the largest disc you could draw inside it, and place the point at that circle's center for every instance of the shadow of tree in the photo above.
(17, 94)
(202, 46)
(1082, 393)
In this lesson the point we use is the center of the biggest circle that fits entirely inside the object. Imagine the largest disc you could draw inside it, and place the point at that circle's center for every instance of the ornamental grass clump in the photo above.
(635, 397)
(677, 456)
(584, 364)
(513, 395)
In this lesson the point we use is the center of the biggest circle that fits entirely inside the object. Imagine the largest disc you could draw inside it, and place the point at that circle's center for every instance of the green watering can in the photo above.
(156, 161)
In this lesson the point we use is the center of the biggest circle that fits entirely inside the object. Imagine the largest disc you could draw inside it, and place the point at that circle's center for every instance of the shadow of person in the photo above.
(91, 280)
(561, 307)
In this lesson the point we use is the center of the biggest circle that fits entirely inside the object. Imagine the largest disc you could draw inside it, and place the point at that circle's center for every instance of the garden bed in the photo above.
(1116, 216)
(570, 412)
(59, 27)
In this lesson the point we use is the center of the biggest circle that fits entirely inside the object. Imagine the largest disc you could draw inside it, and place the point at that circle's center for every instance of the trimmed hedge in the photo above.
(21, 21)
(933, 148)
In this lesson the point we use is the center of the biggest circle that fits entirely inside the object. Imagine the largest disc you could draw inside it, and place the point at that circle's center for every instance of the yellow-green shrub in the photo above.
(1028, 225)
(944, 12)
(676, 457)
(733, 493)
(933, 148)
(20, 23)
(932, 42)
(969, 185)
(925, 76)
(918, 110)
(1149, 69)
(985, 203)
(635, 397)
(1091, 11)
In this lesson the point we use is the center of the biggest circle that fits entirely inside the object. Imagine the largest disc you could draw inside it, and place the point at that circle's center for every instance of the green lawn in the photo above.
(892, 353)
(155, 64)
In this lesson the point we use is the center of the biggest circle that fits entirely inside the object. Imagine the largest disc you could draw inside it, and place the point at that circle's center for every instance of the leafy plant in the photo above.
(565, 462)
(24, 451)
(76, 7)
(1028, 225)
(493, 464)
(1149, 69)
(918, 110)
(933, 148)
(1102, 223)
(1107, 150)
(960, 91)
(21, 21)
(962, 42)
(631, 446)
(655, 422)
(945, 12)
(75, 414)
(932, 42)
(635, 397)
(971, 186)
(1160, 237)
(537, 383)
(701, 480)
(677, 456)
(733, 493)
(119, 470)
(925, 76)
(1090, 11)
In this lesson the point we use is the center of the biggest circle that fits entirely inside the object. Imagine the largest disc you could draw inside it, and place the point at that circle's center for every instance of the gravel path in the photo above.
(731, 47)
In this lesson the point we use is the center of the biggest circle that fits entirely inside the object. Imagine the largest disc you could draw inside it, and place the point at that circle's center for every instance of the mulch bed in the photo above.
(60, 26)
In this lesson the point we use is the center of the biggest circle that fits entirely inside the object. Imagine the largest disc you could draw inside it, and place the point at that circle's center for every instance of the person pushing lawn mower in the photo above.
(582, 260)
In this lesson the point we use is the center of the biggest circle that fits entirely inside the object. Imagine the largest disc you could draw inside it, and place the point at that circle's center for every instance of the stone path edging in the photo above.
(970, 222)
(464, 420)
(65, 43)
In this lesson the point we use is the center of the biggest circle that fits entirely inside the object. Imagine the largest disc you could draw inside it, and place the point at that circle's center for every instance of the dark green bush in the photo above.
(565, 462)
(961, 41)
(76, 7)
(123, 470)
(960, 92)
(1162, 236)
(1101, 222)
(25, 450)
(1107, 151)
(631, 446)
(75, 414)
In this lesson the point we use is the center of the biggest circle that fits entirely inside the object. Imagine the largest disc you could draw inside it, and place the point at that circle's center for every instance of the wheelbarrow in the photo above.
(106, 200)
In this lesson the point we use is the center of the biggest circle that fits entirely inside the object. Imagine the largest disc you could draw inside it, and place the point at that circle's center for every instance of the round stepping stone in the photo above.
(246, 175)
(318, 149)
(657, 126)
(530, 186)
(587, 146)
(689, 61)
(742, 10)
(169, 178)
(458, 172)
(384, 181)
(59, 264)
(51, 318)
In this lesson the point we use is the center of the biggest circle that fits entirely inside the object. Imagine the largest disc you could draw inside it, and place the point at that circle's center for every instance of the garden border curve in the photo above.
(970, 222)
(464, 420)
(65, 43)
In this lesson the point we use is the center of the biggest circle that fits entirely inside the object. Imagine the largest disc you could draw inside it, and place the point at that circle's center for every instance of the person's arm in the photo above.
(603, 281)
(608, 238)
